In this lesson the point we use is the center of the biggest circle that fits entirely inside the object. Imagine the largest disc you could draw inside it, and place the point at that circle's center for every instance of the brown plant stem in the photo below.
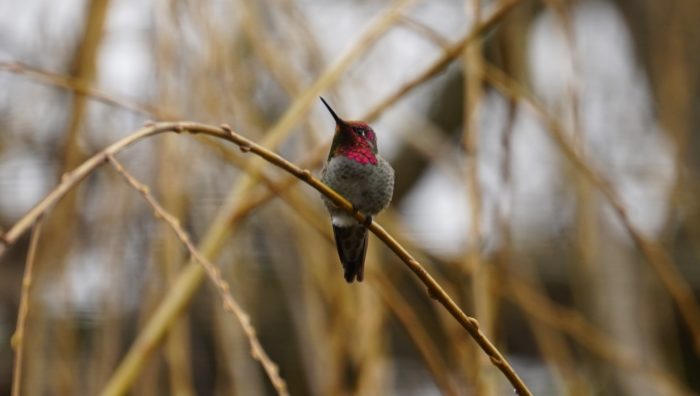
(434, 289)
(450, 53)
(230, 304)
(572, 323)
(69, 180)
(82, 87)
(17, 340)
(658, 258)
(425, 345)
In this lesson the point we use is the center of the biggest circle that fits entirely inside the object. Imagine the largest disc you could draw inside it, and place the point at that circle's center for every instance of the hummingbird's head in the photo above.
(353, 139)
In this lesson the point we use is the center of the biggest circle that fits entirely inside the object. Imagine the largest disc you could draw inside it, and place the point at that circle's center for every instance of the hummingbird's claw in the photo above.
(368, 218)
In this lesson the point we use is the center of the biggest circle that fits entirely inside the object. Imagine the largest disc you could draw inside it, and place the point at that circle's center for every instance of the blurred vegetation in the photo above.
(587, 282)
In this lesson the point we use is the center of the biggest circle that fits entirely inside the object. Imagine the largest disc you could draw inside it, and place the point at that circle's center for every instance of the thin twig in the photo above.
(659, 259)
(83, 87)
(224, 132)
(425, 345)
(18, 338)
(450, 54)
(425, 31)
(572, 323)
(230, 304)
(72, 178)
(434, 289)
(482, 275)
(376, 30)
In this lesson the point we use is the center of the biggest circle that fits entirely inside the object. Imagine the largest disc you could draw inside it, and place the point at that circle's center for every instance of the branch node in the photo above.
(305, 174)
(474, 323)
(245, 147)
(149, 123)
(432, 293)
(179, 128)
(227, 129)
(15, 341)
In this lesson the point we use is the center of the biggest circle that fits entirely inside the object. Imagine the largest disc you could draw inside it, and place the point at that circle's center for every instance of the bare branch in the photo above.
(230, 304)
(17, 340)
(470, 324)
(659, 259)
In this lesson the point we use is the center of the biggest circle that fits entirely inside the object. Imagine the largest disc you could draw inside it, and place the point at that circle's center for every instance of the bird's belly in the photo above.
(368, 187)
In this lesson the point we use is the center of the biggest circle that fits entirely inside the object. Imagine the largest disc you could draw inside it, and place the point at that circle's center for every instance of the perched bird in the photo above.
(355, 171)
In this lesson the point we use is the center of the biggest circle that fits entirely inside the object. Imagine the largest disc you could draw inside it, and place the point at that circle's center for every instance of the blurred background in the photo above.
(547, 176)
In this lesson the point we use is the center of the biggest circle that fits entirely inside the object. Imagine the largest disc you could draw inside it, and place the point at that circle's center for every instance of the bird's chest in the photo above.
(368, 187)
(346, 175)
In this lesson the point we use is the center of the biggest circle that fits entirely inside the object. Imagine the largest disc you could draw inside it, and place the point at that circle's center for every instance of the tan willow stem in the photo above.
(72, 178)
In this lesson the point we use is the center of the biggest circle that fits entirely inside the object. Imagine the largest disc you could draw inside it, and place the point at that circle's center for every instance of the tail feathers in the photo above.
(351, 242)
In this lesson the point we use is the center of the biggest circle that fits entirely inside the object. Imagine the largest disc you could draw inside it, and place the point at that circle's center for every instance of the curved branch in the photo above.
(70, 179)
(434, 289)
(448, 55)
(18, 338)
(230, 304)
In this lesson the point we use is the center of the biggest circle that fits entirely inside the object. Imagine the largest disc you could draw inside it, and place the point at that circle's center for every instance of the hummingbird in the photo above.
(355, 171)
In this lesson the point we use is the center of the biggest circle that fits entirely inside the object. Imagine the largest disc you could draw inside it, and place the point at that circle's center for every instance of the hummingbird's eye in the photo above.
(360, 132)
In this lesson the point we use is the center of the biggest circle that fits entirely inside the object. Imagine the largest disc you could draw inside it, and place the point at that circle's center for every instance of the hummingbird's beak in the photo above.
(338, 120)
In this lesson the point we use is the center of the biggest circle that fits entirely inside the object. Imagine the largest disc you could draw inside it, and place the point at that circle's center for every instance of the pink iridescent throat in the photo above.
(360, 152)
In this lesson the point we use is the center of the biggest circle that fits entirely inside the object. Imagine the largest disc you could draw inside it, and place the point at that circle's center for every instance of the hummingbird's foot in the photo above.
(368, 218)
